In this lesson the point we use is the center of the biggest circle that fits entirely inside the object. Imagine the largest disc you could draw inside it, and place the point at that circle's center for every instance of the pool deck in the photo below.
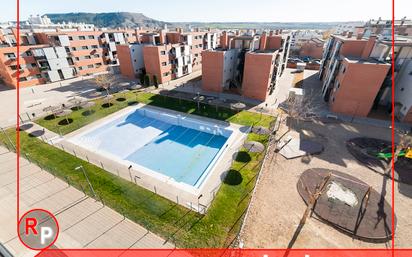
(198, 199)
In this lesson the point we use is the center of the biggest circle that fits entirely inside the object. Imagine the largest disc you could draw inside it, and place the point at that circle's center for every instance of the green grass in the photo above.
(79, 120)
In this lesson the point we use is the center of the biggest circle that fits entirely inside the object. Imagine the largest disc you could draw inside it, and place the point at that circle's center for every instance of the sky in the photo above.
(221, 10)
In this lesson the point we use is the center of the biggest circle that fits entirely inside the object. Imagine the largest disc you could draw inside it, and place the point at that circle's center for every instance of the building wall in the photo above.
(154, 58)
(212, 70)
(311, 49)
(131, 59)
(257, 75)
(356, 87)
(353, 48)
(125, 58)
(196, 49)
(29, 68)
(403, 91)
(230, 62)
(408, 117)
(273, 42)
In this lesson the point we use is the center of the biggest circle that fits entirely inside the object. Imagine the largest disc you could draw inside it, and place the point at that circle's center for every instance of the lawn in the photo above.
(185, 228)
(80, 118)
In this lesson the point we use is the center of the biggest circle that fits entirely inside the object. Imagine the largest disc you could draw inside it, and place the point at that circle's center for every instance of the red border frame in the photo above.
(392, 249)
(51, 215)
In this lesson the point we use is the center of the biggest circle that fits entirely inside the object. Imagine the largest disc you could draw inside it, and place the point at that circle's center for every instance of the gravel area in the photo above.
(277, 207)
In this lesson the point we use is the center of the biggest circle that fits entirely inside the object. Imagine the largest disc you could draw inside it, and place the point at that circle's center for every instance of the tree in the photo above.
(141, 77)
(155, 81)
(146, 80)
(301, 107)
(105, 81)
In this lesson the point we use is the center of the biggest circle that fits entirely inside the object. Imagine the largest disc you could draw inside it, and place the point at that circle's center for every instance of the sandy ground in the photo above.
(277, 207)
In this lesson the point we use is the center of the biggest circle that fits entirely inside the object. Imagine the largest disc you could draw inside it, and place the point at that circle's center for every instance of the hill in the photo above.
(108, 20)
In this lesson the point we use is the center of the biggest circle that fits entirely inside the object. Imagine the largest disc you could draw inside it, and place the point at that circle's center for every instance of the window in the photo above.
(163, 52)
(343, 69)
(28, 53)
(80, 68)
(166, 74)
(87, 57)
(96, 56)
(91, 37)
(33, 65)
(82, 37)
(10, 55)
(77, 58)
(23, 79)
(164, 63)
(85, 47)
(337, 84)
(13, 67)
(98, 64)
(94, 47)
(90, 66)
(38, 76)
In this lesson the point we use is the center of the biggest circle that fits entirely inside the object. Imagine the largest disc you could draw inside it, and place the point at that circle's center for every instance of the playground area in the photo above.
(277, 205)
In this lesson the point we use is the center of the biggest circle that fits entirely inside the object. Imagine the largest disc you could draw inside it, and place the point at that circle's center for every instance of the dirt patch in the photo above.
(277, 207)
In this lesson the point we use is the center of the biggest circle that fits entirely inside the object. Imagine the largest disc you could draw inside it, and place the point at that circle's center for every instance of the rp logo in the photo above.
(38, 229)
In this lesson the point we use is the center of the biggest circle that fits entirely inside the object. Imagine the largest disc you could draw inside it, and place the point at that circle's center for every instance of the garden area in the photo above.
(176, 224)
(102, 107)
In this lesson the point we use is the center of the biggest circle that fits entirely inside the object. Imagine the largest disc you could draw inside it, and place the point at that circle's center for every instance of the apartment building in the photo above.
(49, 56)
(403, 27)
(249, 64)
(403, 76)
(165, 55)
(353, 71)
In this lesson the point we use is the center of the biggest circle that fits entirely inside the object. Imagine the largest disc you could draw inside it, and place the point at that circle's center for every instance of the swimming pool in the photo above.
(178, 147)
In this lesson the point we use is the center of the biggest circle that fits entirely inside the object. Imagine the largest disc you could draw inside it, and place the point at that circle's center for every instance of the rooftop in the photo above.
(364, 61)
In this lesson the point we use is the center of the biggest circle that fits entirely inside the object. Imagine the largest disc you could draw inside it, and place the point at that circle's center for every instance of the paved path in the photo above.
(84, 222)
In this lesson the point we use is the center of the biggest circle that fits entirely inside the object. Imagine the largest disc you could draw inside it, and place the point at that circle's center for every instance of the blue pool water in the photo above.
(160, 142)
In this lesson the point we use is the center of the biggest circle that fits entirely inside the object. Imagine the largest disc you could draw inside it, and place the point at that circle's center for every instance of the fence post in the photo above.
(101, 164)
(82, 188)
(87, 157)
(67, 180)
(155, 189)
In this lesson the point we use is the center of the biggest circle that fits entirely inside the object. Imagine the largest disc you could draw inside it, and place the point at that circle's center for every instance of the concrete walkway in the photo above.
(84, 222)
